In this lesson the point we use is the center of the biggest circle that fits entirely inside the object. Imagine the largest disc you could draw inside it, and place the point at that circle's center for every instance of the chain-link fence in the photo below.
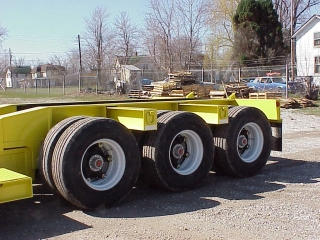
(114, 82)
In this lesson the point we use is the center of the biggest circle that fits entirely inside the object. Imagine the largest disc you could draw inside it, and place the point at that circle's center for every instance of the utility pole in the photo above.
(80, 72)
(291, 41)
(10, 57)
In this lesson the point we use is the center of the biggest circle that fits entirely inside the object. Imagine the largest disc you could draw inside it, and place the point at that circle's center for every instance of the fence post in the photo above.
(287, 78)
(64, 84)
(48, 86)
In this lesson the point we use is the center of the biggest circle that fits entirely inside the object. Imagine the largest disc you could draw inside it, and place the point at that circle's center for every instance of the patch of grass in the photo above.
(311, 110)
(16, 96)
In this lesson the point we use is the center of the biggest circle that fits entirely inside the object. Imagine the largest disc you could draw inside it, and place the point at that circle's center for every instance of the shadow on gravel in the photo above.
(150, 202)
(39, 217)
(44, 215)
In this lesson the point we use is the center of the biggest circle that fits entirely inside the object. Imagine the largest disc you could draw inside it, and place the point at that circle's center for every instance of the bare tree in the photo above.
(73, 61)
(193, 16)
(126, 35)
(4, 60)
(152, 38)
(162, 17)
(3, 33)
(221, 41)
(58, 60)
(301, 11)
(19, 61)
(95, 38)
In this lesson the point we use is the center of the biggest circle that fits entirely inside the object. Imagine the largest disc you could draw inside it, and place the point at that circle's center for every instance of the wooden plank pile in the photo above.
(138, 94)
(172, 89)
(182, 78)
(297, 103)
(163, 89)
(200, 91)
(176, 93)
(240, 89)
(217, 94)
(266, 95)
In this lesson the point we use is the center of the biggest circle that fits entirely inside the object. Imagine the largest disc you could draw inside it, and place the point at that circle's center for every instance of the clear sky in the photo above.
(40, 28)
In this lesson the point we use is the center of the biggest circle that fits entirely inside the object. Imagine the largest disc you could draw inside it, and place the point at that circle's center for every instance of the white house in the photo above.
(307, 39)
(47, 73)
(15, 75)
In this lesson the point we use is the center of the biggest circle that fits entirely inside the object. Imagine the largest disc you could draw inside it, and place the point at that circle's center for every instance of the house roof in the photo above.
(131, 67)
(133, 60)
(306, 24)
(20, 70)
(47, 67)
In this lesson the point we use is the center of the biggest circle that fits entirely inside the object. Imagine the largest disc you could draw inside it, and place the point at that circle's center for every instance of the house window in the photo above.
(317, 64)
(317, 39)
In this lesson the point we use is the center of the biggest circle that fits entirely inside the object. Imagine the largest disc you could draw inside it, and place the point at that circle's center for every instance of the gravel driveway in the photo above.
(281, 202)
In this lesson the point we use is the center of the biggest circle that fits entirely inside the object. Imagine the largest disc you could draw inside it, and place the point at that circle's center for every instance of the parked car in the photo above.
(261, 84)
(247, 79)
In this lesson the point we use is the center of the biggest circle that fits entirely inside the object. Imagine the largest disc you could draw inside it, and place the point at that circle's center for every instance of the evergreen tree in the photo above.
(258, 33)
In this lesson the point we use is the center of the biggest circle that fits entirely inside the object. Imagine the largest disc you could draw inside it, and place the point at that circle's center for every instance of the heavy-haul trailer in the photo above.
(92, 153)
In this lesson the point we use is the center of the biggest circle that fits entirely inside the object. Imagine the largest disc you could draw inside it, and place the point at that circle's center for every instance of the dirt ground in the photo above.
(281, 202)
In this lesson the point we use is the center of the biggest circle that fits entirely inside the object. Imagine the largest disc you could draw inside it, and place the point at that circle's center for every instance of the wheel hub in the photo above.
(96, 163)
(178, 151)
(242, 141)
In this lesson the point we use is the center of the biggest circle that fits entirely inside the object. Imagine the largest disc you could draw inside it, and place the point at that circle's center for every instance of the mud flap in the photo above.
(276, 131)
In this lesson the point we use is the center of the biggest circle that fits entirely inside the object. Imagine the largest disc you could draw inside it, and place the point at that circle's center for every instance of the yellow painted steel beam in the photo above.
(270, 107)
(211, 114)
(6, 108)
(143, 119)
(61, 112)
(18, 160)
(14, 186)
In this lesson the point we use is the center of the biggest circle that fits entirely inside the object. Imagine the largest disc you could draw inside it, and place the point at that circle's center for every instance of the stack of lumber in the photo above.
(297, 103)
(147, 87)
(200, 91)
(266, 95)
(163, 89)
(182, 78)
(138, 94)
(217, 94)
(240, 89)
(176, 93)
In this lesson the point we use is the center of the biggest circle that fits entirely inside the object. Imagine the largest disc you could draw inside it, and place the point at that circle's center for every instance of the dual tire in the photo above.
(243, 145)
(91, 162)
(179, 155)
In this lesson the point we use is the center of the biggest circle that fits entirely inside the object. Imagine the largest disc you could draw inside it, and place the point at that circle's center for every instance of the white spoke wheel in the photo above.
(250, 142)
(243, 145)
(186, 152)
(179, 155)
(103, 164)
(95, 163)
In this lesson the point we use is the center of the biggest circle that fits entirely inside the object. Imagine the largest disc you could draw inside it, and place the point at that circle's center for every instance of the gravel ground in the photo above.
(281, 202)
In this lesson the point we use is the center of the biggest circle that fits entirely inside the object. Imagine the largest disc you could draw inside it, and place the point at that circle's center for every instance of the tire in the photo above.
(46, 150)
(179, 155)
(243, 145)
(95, 163)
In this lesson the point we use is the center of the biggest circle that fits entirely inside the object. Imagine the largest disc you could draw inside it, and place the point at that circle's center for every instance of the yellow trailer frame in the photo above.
(24, 126)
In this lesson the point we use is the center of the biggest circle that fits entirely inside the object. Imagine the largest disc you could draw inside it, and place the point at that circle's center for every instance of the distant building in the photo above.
(131, 70)
(47, 74)
(15, 75)
(308, 48)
